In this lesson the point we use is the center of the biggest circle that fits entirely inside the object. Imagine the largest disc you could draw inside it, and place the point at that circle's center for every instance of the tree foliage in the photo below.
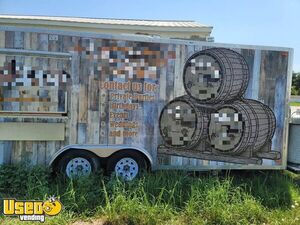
(296, 84)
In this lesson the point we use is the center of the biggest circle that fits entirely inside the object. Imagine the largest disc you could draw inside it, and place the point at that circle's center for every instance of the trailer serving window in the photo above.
(34, 81)
(34, 90)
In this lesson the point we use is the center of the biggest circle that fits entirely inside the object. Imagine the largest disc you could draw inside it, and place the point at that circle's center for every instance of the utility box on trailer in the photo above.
(84, 100)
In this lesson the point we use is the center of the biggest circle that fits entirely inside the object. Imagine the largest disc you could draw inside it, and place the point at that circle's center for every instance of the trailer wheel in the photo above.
(78, 163)
(126, 164)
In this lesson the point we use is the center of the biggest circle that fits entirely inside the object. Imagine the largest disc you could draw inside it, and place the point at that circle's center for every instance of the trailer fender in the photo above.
(103, 151)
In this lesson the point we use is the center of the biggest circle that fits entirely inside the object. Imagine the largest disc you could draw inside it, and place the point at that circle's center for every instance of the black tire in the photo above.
(122, 154)
(62, 163)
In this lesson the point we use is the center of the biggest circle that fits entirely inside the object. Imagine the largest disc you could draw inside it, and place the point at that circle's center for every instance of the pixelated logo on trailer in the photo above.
(29, 210)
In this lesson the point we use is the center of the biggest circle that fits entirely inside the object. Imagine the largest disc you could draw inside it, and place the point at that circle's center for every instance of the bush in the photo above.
(22, 181)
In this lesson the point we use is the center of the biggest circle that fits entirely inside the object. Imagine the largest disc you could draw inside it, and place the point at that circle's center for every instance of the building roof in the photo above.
(191, 28)
(132, 22)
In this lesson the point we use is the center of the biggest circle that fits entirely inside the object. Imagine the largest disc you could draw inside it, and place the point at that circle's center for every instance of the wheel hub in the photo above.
(77, 167)
(127, 168)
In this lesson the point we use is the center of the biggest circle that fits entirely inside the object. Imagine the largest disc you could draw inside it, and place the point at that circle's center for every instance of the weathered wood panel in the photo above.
(93, 111)
(96, 61)
(4, 153)
(34, 152)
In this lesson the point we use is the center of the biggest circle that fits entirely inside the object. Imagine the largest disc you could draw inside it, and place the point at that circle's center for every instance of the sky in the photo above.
(253, 22)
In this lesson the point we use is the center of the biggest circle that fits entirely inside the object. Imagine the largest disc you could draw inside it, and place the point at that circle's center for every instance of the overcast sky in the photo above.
(254, 22)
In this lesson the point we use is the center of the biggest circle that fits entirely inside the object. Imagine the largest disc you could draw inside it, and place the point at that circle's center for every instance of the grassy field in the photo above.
(163, 197)
(294, 103)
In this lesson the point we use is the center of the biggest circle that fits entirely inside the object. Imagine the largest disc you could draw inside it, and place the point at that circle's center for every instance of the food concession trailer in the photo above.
(81, 101)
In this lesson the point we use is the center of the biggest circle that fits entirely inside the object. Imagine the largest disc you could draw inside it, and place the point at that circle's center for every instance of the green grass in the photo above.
(163, 197)
(294, 103)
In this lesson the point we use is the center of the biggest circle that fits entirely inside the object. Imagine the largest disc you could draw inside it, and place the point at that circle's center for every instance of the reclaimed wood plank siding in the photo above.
(32, 152)
(4, 151)
(88, 105)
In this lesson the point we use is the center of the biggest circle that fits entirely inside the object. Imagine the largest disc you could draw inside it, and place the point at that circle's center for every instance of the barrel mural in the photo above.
(215, 75)
(183, 123)
(214, 121)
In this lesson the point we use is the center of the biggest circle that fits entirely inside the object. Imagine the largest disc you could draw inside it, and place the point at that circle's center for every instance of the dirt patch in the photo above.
(90, 222)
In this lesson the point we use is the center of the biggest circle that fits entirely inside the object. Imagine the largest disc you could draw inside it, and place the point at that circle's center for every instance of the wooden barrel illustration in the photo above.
(182, 124)
(242, 125)
(216, 75)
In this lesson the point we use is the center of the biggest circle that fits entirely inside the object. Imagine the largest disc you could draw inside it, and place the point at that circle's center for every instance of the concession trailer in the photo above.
(80, 101)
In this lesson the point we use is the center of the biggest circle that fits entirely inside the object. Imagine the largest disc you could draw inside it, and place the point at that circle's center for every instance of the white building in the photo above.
(182, 29)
